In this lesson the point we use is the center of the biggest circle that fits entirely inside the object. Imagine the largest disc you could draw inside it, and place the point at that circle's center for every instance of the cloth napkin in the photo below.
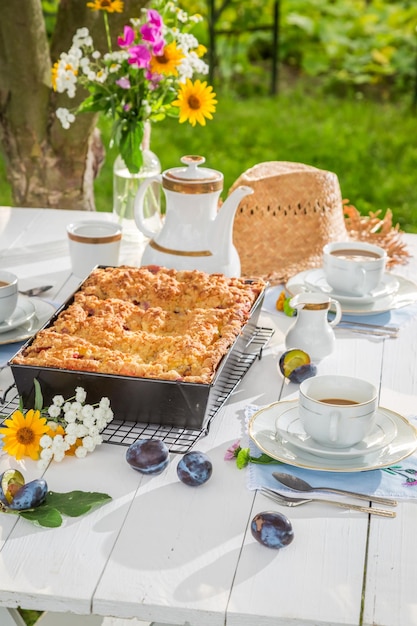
(398, 481)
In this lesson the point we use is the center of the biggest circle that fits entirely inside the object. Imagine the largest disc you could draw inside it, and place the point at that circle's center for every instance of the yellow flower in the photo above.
(167, 63)
(54, 75)
(201, 50)
(22, 433)
(110, 6)
(196, 102)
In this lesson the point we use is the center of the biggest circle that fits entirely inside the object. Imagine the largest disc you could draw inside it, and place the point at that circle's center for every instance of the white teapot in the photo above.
(194, 233)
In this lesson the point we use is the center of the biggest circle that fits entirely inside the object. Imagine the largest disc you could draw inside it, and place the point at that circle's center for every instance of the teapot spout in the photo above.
(223, 226)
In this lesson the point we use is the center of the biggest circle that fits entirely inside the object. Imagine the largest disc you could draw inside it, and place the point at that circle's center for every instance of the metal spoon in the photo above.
(35, 291)
(280, 498)
(297, 484)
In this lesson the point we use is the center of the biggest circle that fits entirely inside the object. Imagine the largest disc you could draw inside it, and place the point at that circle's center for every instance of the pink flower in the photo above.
(152, 32)
(155, 19)
(139, 55)
(124, 83)
(128, 38)
(231, 452)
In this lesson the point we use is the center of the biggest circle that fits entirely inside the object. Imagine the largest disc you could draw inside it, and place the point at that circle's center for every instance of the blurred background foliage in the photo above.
(345, 97)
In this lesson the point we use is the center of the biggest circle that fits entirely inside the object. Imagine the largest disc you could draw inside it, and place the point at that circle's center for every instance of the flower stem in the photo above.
(107, 27)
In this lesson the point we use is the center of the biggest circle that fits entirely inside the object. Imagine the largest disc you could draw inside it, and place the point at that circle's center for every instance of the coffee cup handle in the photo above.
(338, 312)
(334, 425)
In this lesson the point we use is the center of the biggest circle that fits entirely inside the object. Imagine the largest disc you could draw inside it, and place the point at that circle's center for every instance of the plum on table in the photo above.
(272, 529)
(195, 468)
(148, 456)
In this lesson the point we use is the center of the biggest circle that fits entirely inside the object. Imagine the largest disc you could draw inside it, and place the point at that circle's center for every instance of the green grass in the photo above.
(30, 617)
(369, 145)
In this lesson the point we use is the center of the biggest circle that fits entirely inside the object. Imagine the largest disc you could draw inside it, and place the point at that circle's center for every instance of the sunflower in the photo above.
(196, 102)
(110, 6)
(22, 433)
(167, 63)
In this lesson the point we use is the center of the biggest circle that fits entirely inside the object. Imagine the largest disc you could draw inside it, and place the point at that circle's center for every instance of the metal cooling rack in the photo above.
(178, 440)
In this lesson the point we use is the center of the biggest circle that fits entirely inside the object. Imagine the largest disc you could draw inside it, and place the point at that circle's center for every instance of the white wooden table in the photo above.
(163, 552)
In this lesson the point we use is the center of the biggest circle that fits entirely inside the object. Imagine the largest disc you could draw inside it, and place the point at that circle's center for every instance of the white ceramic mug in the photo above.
(8, 294)
(337, 411)
(91, 243)
(353, 267)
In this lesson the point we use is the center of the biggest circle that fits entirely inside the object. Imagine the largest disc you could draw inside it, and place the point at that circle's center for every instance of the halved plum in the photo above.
(296, 365)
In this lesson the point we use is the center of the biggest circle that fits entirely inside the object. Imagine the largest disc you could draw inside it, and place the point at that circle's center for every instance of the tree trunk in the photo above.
(47, 166)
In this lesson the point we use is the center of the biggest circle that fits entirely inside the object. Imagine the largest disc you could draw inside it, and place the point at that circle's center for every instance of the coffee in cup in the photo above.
(337, 411)
(8, 294)
(353, 268)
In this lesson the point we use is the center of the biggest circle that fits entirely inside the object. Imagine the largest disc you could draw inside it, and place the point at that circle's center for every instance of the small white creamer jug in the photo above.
(312, 331)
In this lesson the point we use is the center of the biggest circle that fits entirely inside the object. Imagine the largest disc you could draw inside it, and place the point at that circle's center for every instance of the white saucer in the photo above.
(289, 428)
(41, 313)
(315, 279)
(406, 294)
(263, 432)
(22, 313)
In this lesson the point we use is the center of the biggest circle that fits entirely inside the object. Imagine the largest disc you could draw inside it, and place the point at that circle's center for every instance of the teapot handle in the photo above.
(140, 218)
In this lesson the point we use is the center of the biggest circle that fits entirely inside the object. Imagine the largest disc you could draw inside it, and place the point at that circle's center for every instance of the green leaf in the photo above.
(243, 458)
(130, 150)
(43, 515)
(263, 459)
(38, 404)
(75, 503)
(72, 504)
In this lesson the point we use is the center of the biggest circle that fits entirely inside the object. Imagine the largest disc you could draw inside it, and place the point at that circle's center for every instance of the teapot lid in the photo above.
(192, 178)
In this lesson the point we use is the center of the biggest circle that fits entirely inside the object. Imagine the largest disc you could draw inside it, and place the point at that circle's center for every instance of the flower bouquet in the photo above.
(67, 427)
(147, 78)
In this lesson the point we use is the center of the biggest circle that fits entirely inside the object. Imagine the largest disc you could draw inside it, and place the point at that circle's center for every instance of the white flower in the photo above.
(58, 400)
(186, 42)
(54, 411)
(42, 464)
(77, 406)
(71, 429)
(81, 452)
(46, 454)
(97, 439)
(89, 421)
(87, 411)
(88, 443)
(101, 423)
(59, 455)
(71, 416)
(65, 117)
(45, 441)
(80, 395)
(81, 431)
(70, 439)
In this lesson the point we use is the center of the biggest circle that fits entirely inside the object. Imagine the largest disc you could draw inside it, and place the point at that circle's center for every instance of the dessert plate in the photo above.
(23, 312)
(289, 428)
(42, 311)
(263, 432)
(316, 281)
(405, 294)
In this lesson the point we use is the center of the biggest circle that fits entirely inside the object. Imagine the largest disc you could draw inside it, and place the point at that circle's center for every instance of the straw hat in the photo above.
(281, 228)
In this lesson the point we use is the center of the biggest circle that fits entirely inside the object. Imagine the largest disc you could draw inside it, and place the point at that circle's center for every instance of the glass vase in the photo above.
(126, 185)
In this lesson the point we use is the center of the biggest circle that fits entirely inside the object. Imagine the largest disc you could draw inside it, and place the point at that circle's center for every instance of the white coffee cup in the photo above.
(8, 294)
(91, 243)
(353, 267)
(337, 411)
